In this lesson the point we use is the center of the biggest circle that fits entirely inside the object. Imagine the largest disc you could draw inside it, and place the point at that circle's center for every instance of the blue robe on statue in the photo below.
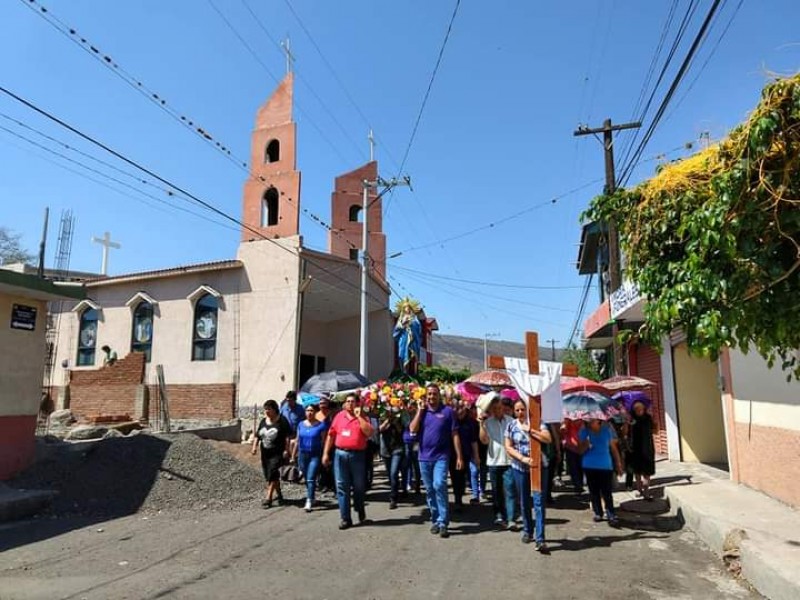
(407, 335)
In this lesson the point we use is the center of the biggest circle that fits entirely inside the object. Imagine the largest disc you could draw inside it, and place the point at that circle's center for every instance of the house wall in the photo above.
(20, 384)
(339, 342)
(700, 417)
(765, 428)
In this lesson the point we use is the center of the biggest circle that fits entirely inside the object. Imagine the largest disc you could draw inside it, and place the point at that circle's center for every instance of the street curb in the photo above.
(759, 565)
(17, 504)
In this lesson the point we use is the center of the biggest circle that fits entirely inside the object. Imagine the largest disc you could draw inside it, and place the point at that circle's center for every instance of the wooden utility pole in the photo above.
(614, 266)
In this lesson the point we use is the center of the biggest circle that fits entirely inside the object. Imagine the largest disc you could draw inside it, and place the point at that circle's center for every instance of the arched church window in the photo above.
(355, 213)
(269, 208)
(142, 333)
(204, 335)
(273, 152)
(87, 337)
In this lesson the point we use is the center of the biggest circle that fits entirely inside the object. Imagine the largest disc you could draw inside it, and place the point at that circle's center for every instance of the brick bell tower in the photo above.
(271, 202)
(346, 207)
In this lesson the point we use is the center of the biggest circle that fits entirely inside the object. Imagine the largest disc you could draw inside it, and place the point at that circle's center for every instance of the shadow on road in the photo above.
(598, 541)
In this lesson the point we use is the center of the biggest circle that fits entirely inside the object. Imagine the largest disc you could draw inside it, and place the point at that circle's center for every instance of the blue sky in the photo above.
(495, 138)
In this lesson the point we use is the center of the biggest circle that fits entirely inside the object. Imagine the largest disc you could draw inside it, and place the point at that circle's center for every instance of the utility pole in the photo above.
(387, 185)
(43, 244)
(486, 337)
(613, 237)
(552, 349)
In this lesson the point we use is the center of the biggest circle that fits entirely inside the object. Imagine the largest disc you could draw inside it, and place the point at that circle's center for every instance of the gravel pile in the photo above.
(119, 476)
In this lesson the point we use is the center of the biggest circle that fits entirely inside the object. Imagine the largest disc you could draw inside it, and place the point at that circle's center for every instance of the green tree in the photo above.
(587, 366)
(11, 249)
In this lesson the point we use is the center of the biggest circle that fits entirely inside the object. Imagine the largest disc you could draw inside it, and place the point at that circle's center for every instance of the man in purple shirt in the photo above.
(437, 431)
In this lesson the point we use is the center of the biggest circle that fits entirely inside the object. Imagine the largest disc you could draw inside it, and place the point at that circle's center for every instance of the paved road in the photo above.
(286, 553)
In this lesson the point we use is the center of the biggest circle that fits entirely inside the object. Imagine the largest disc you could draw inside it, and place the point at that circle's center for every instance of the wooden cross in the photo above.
(535, 403)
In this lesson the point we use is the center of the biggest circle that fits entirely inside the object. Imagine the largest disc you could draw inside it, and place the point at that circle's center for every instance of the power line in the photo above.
(491, 283)
(671, 91)
(430, 85)
(154, 175)
(269, 72)
(493, 224)
(336, 77)
(107, 61)
(322, 103)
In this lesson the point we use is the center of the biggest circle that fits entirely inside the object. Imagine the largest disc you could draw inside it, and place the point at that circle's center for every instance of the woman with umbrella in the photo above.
(598, 445)
(642, 448)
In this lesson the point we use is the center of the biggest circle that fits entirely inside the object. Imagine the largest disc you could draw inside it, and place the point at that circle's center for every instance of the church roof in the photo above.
(220, 265)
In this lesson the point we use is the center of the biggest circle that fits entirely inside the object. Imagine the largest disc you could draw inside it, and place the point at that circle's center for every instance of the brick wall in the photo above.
(213, 401)
(648, 363)
(109, 390)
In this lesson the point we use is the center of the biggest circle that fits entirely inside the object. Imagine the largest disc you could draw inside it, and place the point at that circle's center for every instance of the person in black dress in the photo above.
(642, 448)
(272, 434)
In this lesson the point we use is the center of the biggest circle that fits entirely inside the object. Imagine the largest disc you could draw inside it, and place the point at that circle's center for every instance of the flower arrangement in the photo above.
(385, 396)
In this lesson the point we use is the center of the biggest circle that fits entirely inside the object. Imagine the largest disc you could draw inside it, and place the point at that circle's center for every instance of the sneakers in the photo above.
(392, 504)
(613, 520)
(435, 529)
(443, 533)
(597, 518)
(307, 507)
(345, 525)
(500, 522)
(526, 539)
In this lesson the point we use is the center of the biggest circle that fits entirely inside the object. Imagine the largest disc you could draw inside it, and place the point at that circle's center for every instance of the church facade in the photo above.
(234, 332)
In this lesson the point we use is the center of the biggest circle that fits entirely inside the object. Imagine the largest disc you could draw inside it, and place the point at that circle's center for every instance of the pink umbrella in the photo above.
(491, 377)
(620, 383)
(470, 391)
(582, 384)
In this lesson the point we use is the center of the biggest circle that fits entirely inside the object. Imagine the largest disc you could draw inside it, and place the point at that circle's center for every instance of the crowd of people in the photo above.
(425, 442)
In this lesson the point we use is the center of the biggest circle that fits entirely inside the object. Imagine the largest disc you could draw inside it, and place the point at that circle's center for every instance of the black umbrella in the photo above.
(331, 382)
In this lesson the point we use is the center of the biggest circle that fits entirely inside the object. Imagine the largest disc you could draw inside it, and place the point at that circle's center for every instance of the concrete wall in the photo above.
(21, 359)
(700, 417)
(764, 428)
(339, 342)
(22, 355)
(269, 318)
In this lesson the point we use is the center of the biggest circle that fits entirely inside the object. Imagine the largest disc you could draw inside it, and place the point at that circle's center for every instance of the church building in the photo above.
(234, 332)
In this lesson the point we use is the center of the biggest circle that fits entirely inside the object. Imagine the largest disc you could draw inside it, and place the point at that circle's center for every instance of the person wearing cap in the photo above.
(493, 424)
(292, 411)
(437, 430)
(347, 439)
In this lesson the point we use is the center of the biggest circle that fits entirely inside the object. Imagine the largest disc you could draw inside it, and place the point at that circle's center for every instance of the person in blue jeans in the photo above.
(392, 451)
(310, 436)
(493, 425)
(518, 446)
(437, 430)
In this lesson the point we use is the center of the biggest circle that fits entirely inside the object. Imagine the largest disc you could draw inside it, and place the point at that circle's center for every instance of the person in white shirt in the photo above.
(493, 424)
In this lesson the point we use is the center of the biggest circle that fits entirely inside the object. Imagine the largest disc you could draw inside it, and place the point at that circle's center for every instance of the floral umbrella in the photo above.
(584, 405)
(492, 377)
(582, 384)
(470, 391)
(619, 383)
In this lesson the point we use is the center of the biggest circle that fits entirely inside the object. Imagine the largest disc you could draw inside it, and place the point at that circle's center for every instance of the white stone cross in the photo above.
(289, 56)
(106, 242)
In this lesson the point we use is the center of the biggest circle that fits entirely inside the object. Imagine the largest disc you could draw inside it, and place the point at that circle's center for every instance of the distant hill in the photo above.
(459, 352)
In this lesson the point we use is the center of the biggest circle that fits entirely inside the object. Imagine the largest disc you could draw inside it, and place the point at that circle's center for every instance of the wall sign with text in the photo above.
(23, 317)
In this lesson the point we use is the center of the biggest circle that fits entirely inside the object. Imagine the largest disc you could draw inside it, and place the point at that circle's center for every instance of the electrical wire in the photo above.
(194, 198)
(496, 284)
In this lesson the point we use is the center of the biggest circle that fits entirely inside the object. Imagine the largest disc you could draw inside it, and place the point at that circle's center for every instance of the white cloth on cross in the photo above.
(546, 384)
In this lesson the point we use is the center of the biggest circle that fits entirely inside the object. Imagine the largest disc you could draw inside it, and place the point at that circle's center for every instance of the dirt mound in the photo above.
(143, 472)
